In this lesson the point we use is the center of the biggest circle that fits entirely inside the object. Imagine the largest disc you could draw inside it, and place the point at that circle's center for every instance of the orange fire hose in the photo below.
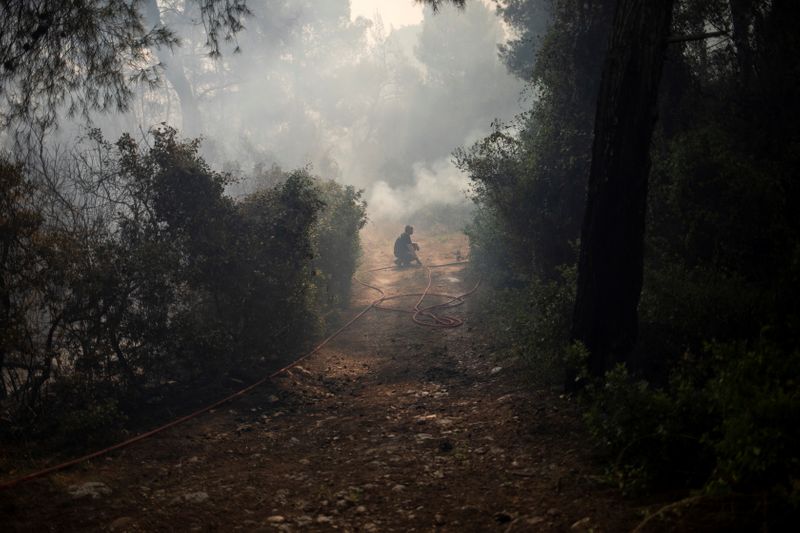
(430, 320)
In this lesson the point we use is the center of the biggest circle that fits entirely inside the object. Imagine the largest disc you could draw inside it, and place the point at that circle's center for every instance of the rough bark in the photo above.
(612, 236)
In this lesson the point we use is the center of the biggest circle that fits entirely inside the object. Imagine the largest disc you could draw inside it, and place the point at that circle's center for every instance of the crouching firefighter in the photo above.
(404, 250)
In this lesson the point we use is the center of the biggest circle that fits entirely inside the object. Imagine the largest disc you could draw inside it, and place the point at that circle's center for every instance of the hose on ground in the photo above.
(423, 316)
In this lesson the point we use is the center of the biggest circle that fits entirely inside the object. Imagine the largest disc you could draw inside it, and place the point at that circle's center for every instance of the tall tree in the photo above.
(612, 236)
(175, 74)
(530, 20)
(80, 56)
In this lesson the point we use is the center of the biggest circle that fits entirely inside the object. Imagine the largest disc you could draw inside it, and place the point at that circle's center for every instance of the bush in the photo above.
(336, 242)
(163, 278)
(652, 436)
(531, 323)
(726, 421)
(756, 391)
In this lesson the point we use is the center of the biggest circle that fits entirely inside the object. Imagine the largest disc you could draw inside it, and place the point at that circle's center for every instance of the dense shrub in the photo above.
(756, 392)
(652, 436)
(162, 279)
(336, 242)
(530, 323)
(726, 420)
(709, 395)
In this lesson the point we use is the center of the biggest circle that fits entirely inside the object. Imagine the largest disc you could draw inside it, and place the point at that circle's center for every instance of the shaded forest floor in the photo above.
(392, 427)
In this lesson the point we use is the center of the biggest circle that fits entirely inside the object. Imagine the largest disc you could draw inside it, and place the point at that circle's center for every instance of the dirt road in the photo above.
(392, 427)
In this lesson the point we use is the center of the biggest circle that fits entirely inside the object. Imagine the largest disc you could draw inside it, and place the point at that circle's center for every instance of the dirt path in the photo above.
(393, 427)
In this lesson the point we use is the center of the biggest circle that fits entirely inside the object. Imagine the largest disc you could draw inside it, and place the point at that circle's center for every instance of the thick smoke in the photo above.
(366, 104)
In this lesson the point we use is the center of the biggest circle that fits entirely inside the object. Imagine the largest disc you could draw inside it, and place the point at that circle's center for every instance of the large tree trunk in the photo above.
(741, 15)
(612, 236)
(192, 124)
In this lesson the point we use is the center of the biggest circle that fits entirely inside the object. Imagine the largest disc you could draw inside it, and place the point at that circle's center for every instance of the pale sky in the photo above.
(395, 13)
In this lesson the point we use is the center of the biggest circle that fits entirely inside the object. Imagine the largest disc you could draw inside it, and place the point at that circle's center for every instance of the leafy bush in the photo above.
(163, 279)
(336, 242)
(531, 323)
(651, 435)
(726, 420)
(756, 391)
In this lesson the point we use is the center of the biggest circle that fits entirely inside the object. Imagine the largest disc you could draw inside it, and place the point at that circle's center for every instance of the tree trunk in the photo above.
(612, 236)
(741, 18)
(192, 124)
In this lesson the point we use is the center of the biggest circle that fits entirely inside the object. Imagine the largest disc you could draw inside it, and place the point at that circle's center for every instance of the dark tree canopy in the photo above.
(80, 56)
(530, 20)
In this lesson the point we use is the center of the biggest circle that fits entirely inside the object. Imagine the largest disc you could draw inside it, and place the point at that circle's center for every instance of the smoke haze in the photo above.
(356, 99)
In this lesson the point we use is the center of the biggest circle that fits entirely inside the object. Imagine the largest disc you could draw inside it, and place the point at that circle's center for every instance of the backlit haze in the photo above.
(376, 94)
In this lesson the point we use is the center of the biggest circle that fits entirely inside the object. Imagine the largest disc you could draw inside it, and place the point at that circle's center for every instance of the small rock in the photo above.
(370, 527)
(304, 462)
(303, 520)
(276, 519)
(361, 509)
(95, 489)
(583, 523)
(495, 370)
(322, 519)
(398, 488)
(273, 398)
(302, 370)
(121, 523)
(195, 497)
(535, 520)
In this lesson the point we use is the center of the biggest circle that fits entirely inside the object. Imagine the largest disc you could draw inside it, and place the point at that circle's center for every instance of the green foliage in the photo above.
(41, 44)
(709, 397)
(726, 420)
(97, 424)
(650, 434)
(532, 323)
(682, 307)
(529, 178)
(756, 391)
(171, 282)
(530, 20)
(336, 242)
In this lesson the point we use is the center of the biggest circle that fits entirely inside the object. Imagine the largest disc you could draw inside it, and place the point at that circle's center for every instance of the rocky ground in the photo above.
(391, 427)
